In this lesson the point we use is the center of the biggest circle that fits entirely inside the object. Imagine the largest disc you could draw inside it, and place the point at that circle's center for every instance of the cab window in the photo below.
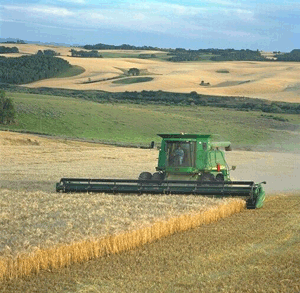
(181, 153)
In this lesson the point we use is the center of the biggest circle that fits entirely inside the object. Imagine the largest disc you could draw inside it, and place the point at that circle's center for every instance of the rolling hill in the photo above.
(275, 81)
(138, 124)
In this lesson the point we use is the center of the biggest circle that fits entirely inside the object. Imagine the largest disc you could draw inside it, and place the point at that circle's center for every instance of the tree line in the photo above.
(15, 42)
(181, 54)
(184, 56)
(50, 53)
(27, 69)
(147, 56)
(166, 98)
(4, 50)
(121, 47)
(85, 54)
(241, 55)
(294, 55)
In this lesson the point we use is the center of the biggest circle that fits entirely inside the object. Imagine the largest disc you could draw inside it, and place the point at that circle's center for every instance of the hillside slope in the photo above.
(276, 81)
(139, 124)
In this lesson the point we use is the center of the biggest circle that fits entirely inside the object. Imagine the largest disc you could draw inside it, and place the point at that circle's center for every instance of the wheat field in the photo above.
(52, 230)
(275, 81)
(41, 229)
(48, 231)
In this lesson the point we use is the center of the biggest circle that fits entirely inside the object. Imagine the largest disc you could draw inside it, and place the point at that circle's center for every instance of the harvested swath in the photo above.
(36, 163)
(46, 231)
(47, 160)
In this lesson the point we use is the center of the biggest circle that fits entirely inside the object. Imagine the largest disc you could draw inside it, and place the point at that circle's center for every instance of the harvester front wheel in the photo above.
(145, 176)
(207, 177)
(158, 176)
(220, 177)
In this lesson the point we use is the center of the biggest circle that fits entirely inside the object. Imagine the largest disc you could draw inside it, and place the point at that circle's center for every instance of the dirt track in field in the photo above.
(276, 81)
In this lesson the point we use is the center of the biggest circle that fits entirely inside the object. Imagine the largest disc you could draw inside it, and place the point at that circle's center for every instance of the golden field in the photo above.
(44, 229)
(275, 81)
(252, 251)
(34, 220)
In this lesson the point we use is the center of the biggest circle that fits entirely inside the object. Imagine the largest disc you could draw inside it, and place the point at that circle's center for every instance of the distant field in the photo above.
(132, 54)
(138, 124)
(276, 81)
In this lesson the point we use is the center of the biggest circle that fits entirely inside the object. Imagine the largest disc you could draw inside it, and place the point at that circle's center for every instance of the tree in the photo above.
(7, 110)
(133, 71)
(86, 54)
(40, 53)
(8, 50)
(51, 53)
(27, 69)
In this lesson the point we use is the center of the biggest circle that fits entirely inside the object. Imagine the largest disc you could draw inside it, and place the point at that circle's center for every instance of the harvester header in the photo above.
(187, 164)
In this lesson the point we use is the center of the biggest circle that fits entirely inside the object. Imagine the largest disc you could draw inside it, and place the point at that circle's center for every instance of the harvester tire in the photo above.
(220, 177)
(145, 176)
(207, 177)
(158, 176)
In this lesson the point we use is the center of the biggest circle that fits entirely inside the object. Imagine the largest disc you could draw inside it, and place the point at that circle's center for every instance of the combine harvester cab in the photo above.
(187, 164)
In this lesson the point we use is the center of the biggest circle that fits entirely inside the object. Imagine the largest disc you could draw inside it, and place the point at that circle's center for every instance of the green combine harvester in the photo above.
(187, 164)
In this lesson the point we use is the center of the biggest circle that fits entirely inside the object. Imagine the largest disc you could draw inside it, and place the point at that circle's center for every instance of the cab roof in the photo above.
(184, 135)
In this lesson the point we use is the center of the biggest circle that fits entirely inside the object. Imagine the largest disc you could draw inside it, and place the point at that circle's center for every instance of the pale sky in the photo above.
(253, 24)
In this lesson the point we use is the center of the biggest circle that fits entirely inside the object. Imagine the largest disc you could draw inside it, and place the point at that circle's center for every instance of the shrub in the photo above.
(7, 110)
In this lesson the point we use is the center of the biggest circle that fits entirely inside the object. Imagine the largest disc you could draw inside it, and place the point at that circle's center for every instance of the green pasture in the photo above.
(72, 71)
(131, 54)
(131, 80)
(139, 124)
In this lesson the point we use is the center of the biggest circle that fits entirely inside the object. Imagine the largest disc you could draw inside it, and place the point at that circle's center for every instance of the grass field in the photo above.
(138, 124)
(73, 71)
(253, 251)
(132, 54)
(132, 80)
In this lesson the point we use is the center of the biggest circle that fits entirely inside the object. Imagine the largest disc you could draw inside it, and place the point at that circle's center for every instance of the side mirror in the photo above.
(233, 168)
